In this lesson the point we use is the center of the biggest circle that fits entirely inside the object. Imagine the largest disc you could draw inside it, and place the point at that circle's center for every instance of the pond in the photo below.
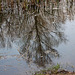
(36, 36)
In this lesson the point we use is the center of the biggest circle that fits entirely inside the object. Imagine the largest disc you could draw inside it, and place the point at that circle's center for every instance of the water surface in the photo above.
(35, 38)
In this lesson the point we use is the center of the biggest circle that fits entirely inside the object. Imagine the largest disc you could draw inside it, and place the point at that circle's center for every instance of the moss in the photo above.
(56, 67)
(53, 69)
(39, 74)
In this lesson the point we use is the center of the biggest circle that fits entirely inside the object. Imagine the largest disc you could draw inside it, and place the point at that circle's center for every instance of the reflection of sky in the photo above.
(67, 51)
(10, 51)
(11, 61)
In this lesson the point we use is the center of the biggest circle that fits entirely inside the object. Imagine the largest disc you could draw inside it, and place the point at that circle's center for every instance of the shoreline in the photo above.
(55, 70)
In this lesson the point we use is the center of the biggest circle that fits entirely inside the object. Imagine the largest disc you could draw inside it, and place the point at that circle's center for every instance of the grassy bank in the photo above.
(55, 70)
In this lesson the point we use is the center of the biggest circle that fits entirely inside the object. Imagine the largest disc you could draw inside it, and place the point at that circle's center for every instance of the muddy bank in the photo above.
(55, 70)
(62, 72)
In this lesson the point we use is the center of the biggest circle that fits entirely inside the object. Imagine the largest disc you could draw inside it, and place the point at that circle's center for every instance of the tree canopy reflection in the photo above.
(40, 30)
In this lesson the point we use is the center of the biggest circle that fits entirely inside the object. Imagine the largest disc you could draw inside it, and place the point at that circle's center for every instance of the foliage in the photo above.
(53, 69)
(56, 67)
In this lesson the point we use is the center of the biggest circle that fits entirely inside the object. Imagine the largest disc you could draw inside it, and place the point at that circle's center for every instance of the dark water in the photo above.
(36, 38)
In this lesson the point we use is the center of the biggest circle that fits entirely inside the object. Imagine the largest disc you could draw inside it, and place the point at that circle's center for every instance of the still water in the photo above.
(36, 38)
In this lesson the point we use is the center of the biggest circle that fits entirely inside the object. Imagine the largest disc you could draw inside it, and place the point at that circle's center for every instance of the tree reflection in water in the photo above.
(40, 40)
(39, 31)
